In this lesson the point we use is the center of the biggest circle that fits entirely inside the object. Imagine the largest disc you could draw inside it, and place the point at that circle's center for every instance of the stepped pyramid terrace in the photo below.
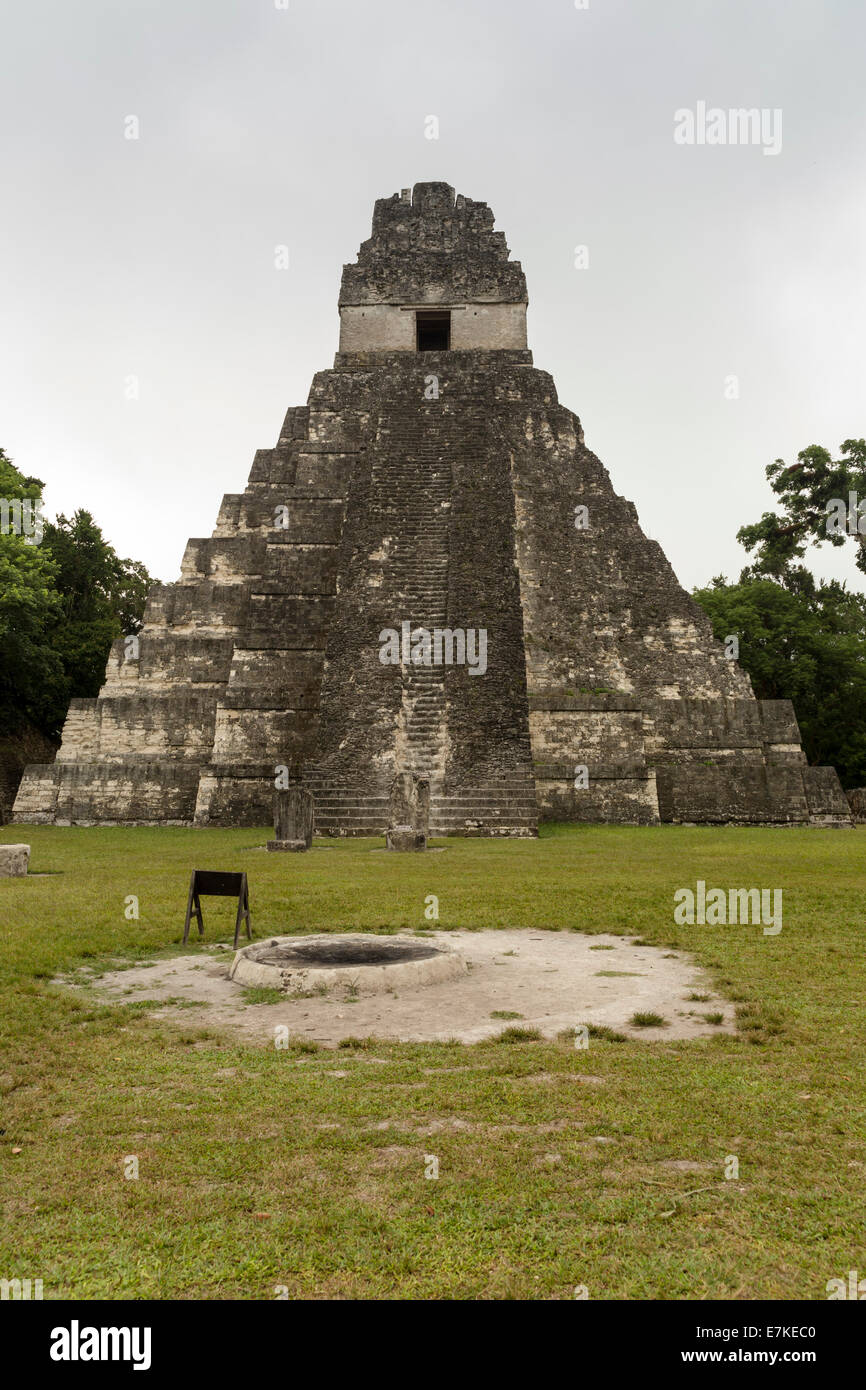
(432, 500)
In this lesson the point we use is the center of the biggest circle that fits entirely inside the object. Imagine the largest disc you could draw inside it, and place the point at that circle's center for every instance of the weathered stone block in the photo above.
(403, 837)
(722, 795)
(410, 802)
(14, 860)
(293, 818)
(310, 570)
(289, 620)
(828, 804)
(409, 813)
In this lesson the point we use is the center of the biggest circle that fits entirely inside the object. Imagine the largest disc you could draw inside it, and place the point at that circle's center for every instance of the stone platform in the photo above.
(358, 962)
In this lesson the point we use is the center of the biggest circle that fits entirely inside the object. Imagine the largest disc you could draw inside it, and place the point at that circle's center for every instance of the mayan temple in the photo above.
(432, 482)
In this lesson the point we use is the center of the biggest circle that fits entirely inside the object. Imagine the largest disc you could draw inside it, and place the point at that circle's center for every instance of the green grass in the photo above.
(262, 994)
(601, 1033)
(330, 1144)
(517, 1035)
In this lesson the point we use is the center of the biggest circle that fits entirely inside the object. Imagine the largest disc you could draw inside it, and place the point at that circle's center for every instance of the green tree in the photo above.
(812, 492)
(101, 597)
(29, 604)
(803, 642)
(62, 603)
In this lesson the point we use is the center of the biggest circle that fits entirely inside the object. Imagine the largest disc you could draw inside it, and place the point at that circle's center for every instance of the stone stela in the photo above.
(409, 813)
(293, 819)
(432, 477)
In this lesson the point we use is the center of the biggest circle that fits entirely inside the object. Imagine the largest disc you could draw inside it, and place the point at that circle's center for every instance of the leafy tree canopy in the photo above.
(812, 492)
(62, 603)
(800, 639)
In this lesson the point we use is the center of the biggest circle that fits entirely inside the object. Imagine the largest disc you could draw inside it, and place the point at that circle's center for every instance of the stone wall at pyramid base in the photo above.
(131, 792)
(650, 762)
(145, 792)
(243, 797)
(777, 794)
(597, 757)
(695, 795)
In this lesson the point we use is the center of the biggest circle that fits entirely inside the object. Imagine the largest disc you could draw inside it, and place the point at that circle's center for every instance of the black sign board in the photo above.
(215, 884)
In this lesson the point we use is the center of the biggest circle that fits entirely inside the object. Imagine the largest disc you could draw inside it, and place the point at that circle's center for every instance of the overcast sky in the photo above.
(261, 126)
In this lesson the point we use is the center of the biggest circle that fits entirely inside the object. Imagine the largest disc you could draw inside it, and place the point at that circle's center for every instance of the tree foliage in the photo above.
(810, 492)
(808, 645)
(800, 639)
(29, 603)
(63, 601)
(101, 597)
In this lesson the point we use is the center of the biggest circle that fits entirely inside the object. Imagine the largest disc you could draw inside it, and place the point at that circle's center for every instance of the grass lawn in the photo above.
(304, 1169)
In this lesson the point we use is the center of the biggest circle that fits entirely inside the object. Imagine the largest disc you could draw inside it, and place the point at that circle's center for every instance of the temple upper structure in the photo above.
(434, 275)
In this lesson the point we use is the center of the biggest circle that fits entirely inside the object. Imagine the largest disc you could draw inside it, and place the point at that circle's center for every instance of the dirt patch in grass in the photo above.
(546, 979)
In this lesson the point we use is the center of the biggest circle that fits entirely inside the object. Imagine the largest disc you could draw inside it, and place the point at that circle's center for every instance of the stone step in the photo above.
(484, 817)
(441, 807)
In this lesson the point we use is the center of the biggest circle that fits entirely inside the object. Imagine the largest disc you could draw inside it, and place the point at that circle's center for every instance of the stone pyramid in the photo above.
(433, 484)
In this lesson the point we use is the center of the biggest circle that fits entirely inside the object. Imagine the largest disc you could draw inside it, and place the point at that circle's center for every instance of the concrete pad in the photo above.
(553, 980)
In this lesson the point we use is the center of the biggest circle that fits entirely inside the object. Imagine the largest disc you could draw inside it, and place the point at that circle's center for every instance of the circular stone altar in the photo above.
(360, 962)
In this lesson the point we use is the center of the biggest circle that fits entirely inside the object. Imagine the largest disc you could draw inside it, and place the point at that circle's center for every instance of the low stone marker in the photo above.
(14, 860)
(857, 802)
(409, 818)
(293, 819)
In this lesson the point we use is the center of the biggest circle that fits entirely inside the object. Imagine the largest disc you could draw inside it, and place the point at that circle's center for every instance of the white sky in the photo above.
(262, 126)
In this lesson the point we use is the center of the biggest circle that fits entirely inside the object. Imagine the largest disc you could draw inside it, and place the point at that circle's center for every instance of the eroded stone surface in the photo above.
(409, 813)
(14, 860)
(403, 837)
(293, 818)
